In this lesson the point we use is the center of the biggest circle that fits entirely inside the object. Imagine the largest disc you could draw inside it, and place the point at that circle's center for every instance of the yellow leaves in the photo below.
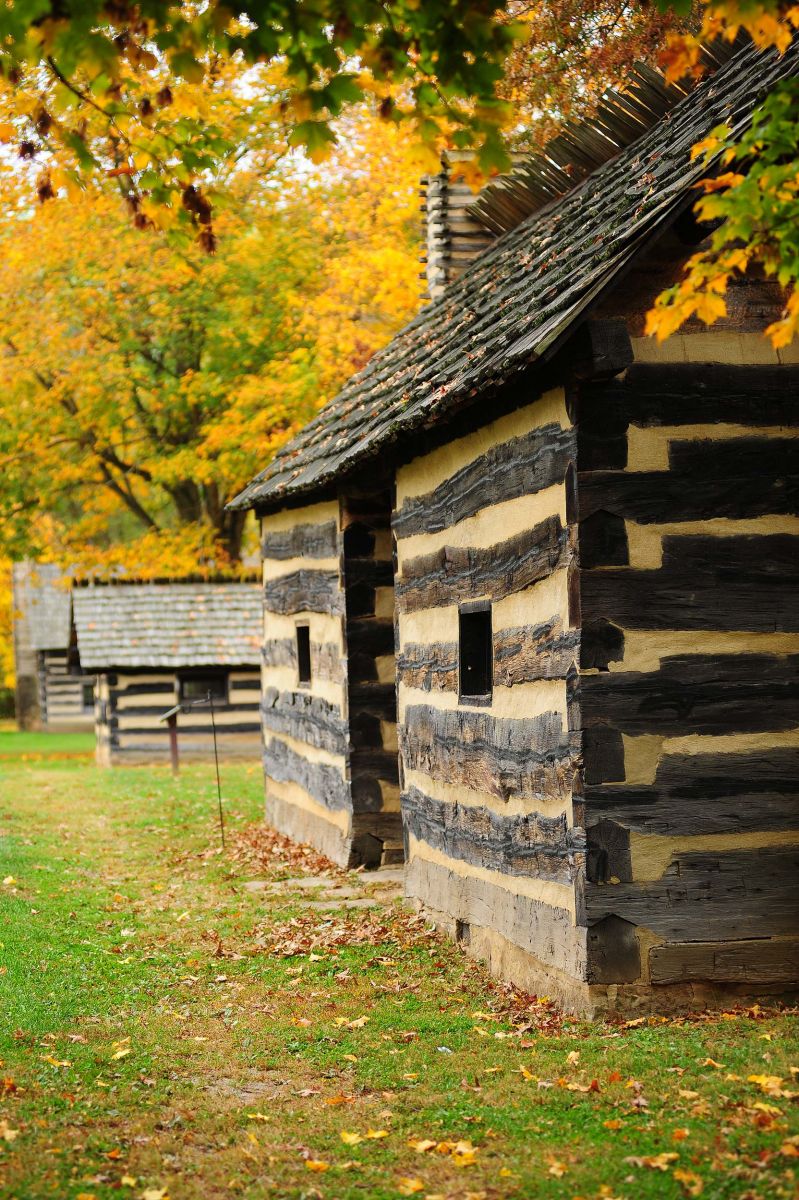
(154, 1194)
(462, 1153)
(654, 1162)
(558, 1169)
(407, 1185)
(350, 1139)
(718, 183)
(422, 1145)
(376, 1134)
(783, 331)
(690, 1182)
(121, 1049)
(317, 1164)
(9, 881)
(771, 1085)
(7, 1133)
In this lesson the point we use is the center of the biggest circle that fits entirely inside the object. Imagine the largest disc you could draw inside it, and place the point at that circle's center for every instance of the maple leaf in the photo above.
(408, 1186)
(655, 1162)
(691, 1183)
(350, 1139)
(422, 1145)
(375, 1134)
(317, 1164)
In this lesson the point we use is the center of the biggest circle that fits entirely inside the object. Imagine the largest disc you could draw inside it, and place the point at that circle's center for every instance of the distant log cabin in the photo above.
(587, 720)
(53, 692)
(156, 645)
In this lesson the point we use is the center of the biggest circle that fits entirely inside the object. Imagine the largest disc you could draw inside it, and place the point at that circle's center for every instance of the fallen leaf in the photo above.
(350, 1139)
(422, 1145)
(155, 1194)
(691, 1183)
(408, 1186)
(613, 1123)
(679, 1135)
(316, 1164)
(7, 1133)
(558, 1169)
(257, 1116)
(377, 1133)
(656, 1162)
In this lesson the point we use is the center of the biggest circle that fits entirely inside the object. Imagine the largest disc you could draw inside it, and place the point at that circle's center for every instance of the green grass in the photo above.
(14, 744)
(163, 1024)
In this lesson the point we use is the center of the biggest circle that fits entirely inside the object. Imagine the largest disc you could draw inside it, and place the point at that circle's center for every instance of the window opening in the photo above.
(476, 651)
(197, 687)
(304, 654)
(88, 696)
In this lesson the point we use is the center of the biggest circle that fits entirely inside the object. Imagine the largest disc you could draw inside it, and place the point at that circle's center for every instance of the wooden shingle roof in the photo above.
(41, 595)
(520, 298)
(168, 624)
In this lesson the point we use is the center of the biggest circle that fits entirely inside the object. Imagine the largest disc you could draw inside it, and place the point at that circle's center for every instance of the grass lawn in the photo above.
(169, 1032)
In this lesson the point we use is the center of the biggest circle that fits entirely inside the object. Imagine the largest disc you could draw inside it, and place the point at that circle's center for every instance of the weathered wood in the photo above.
(701, 483)
(757, 960)
(307, 717)
(519, 467)
(530, 757)
(653, 394)
(601, 643)
(705, 896)
(696, 794)
(302, 541)
(537, 928)
(305, 590)
(729, 583)
(429, 667)
(603, 750)
(323, 783)
(529, 845)
(603, 541)
(326, 661)
(453, 574)
(600, 349)
(711, 694)
(614, 953)
(527, 653)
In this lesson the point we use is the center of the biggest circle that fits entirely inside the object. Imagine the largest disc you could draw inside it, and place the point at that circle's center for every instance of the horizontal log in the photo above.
(731, 583)
(323, 783)
(519, 467)
(306, 717)
(706, 896)
(319, 540)
(531, 845)
(527, 653)
(326, 660)
(165, 688)
(454, 574)
(756, 960)
(429, 667)
(696, 794)
(737, 479)
(653, 394)
(528, 758)
(190, 727)
(706, 694)
(305, 590)
(537, 928)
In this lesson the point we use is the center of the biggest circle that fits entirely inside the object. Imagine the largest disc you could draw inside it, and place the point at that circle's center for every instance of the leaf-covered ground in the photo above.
(168, 1031)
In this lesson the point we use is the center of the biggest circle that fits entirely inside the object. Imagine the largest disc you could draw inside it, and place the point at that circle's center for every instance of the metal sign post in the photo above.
(171, 718)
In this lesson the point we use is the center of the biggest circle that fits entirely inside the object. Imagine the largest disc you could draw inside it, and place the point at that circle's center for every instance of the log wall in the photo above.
(689, 546)
(306, 743)
(128, 706)
(495, 844)
(61, 692)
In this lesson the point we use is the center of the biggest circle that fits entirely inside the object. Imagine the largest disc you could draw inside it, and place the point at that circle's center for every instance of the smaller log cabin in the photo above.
(53, 692)
(155, 645)
(587, 720)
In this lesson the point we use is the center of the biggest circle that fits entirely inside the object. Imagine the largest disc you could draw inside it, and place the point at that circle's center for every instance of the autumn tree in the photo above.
(142, 381)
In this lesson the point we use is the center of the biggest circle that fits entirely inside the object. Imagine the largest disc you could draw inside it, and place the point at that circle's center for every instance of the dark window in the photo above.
(476, 651)
(88, 695)
(303, 654)
(197, 687)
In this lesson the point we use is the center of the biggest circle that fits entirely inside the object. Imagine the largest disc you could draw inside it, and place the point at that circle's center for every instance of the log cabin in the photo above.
(531, 587)
(157, 645)
(53, 692)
